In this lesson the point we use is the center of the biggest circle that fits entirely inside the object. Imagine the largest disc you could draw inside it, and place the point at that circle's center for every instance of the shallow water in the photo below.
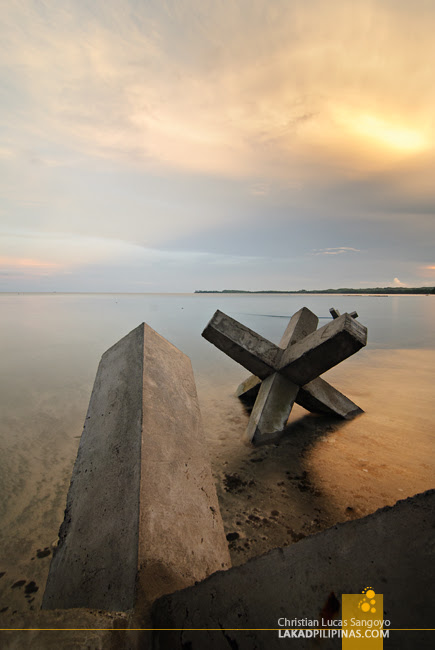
(50, 348)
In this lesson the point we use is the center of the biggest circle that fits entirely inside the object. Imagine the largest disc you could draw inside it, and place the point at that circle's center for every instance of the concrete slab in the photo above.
(142, 516)
(271, 409)
(276, 396)
(323, 349)
(247, 391)
(320, 397)
(254, 352)
(302, 362)
(317, 396)
(335, 313)
(302, 323)
(392, 551)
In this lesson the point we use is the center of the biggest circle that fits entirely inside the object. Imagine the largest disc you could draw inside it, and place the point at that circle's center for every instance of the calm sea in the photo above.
(50, 344)
(50, 347)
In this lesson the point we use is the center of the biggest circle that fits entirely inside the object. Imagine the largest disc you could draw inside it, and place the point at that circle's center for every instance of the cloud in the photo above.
(247, 129)
(398, 283)
(336, 251)
(259, 189)
(230, 88)
(426, 273)
(26, 266)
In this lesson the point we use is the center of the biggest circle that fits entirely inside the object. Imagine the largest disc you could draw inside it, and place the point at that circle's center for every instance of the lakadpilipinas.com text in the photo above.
(303, 628)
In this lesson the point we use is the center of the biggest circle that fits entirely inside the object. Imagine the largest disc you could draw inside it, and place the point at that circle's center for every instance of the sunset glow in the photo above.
(390, 135)
(149, 143)
(28, 264)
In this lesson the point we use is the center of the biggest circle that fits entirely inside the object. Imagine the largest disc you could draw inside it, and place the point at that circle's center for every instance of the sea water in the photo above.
(50, 346)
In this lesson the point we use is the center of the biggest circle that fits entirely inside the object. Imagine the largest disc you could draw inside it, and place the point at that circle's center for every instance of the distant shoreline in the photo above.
(378, 291)
(371, 291)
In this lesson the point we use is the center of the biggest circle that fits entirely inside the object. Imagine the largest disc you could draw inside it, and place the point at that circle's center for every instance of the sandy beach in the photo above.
(326, 470)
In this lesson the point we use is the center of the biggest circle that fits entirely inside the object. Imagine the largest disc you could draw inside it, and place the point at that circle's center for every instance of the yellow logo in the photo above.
(368, 603)
(362, 621)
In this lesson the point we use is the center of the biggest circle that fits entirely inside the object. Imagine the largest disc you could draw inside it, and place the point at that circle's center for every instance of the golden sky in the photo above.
(273, 144)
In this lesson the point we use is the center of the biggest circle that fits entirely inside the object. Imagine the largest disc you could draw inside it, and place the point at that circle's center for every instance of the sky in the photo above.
(170, 146)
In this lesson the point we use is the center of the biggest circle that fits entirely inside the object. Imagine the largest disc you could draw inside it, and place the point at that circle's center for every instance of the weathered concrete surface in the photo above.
(317, 396)
(302, 323)
(69, 629)
(301, 362)
(320, 397)
(181, 538)
(247, 391)
(305, 354)
(323, 349)
(142, 516)
(96, 561)
(277, 394)
(271, 410)
(335, 313)
(242, 344)
(391, 550)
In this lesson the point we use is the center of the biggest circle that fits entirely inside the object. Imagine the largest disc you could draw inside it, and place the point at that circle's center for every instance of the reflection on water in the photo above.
(50, 349)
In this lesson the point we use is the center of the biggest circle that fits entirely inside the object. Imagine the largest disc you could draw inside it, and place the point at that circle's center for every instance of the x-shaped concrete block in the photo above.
(317, 396)
(290, 371)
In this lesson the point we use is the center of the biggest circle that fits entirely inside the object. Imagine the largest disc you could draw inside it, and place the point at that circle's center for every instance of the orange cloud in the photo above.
(35, 267)
(230, 91)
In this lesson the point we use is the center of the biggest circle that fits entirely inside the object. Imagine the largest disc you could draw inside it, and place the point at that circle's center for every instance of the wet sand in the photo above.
(323, 470)
(326, 470)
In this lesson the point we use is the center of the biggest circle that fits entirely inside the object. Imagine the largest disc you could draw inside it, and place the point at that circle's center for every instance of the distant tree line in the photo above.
(375, 290)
